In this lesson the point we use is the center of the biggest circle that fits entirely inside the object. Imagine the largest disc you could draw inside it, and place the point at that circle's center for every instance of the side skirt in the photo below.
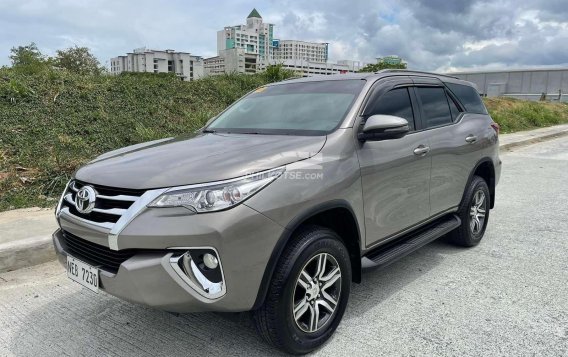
(386, 254)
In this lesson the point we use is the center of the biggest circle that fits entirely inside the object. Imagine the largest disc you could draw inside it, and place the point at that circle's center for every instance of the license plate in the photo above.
(83, 274)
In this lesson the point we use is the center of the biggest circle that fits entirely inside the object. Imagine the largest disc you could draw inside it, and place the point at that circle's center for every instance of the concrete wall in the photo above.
(523, 84)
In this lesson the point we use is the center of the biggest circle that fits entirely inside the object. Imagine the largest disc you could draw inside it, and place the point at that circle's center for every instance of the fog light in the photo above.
(201, 269)
(210, 261)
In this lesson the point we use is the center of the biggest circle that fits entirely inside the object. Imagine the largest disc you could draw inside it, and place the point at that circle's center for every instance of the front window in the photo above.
(307, 108)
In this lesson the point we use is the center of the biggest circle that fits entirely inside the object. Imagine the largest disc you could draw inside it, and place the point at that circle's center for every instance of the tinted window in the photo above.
(469, 97)
(434, 106)
(453, 108)
(397, 103)
(291, 108)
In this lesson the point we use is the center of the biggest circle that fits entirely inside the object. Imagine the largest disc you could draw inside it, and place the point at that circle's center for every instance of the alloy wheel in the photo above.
(477, 212)
(316, 293)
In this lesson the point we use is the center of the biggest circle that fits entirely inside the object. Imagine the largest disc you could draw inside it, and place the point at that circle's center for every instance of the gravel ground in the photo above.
(507, 296)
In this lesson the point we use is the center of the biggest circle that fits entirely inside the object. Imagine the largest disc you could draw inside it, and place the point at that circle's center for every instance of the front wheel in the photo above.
(308, 293)
(474, 214)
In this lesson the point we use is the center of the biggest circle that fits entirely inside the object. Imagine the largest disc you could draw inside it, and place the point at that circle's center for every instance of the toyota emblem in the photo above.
(85, 199)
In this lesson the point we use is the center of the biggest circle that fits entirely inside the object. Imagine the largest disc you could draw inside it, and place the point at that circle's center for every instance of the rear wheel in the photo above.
(474, 214)
(308, 293)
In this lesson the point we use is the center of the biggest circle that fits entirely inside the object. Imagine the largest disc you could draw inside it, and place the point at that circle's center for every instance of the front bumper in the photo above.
(243, 238)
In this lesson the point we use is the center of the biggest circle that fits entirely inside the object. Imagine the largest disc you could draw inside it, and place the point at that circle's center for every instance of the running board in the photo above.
(391, 252)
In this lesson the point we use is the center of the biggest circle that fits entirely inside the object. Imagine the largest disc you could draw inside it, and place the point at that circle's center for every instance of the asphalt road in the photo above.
(508, 296)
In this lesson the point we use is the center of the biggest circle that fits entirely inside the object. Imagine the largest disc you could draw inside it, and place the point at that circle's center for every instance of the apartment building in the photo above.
(250, 48)
(301, 50)
(255, 37)
(183, 64)
(233, 60)
(308, 68)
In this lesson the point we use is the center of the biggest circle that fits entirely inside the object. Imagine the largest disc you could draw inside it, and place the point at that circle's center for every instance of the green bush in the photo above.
(53, 121)
(515, 114)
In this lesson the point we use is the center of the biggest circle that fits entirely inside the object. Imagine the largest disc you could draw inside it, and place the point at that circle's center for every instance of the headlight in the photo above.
(217, 195)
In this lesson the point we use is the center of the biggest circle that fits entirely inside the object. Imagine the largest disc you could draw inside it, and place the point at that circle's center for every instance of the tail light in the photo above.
(496, 127)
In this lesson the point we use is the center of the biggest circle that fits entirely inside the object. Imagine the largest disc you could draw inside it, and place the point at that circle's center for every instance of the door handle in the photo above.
(471, 139)
(421, 150)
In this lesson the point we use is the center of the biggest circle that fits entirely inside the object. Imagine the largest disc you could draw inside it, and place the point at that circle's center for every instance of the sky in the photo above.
(436, 35)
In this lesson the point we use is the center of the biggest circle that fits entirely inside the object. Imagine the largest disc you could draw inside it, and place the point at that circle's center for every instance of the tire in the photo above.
(275, 320)
(470, 233)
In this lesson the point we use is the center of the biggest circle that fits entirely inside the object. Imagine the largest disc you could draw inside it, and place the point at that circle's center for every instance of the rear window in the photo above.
(469, 97)
(434, 106)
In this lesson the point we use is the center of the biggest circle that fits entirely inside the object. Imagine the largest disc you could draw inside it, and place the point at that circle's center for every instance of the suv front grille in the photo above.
(110, 204)
(95, 254)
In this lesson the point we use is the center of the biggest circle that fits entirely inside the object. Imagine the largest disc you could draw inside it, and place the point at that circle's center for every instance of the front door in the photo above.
(395, 173)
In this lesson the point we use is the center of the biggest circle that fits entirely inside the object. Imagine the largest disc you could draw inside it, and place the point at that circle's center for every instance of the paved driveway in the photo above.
(508, 296)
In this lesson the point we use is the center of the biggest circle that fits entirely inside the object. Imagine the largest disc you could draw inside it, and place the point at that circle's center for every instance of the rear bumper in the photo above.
(149, 278)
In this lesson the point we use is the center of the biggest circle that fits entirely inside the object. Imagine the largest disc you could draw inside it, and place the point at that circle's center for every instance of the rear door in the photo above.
(395, 179)
(454, 142)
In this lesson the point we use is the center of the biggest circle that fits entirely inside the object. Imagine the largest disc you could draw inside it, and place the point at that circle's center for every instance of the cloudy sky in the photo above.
(430, 34)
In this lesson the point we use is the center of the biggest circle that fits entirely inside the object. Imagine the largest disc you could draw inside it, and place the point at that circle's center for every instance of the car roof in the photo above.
(374, 76)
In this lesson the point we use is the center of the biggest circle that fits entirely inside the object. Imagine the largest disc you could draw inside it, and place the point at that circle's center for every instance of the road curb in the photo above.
(533, 140)
(37, 250)
(26, 252)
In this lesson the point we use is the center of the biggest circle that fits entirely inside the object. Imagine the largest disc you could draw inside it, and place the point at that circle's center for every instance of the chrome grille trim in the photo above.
(113, 211)
(67, 214)
(119, 198)
(109, 208)
(60, 203)
(134, 210)
(123, 216)
(126, 198)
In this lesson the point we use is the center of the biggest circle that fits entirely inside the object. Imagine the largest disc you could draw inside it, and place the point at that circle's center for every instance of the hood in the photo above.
(197, 158)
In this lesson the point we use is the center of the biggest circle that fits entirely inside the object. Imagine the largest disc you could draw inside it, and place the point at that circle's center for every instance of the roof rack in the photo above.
(411, 71)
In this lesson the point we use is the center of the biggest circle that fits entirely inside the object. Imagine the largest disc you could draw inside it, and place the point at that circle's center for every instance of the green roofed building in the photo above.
(254, 38)
(251, 47)
(255, 14)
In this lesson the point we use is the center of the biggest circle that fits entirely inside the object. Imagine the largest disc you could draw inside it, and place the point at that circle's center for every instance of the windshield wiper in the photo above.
(209, 131)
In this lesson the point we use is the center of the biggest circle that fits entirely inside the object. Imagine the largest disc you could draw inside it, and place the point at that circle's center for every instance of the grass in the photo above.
(517, 115)
(54, 121)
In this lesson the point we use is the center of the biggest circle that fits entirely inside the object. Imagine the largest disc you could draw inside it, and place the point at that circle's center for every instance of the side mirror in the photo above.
(383, 127)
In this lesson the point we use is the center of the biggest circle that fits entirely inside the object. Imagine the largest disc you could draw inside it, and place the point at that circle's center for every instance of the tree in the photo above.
(78, 60)
(277, 72)
(374, 67)
(28, 59)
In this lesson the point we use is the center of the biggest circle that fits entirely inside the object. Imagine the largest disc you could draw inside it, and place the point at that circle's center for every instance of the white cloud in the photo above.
(429, 34)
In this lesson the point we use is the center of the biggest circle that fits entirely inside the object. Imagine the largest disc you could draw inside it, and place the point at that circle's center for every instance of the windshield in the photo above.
(307, 108)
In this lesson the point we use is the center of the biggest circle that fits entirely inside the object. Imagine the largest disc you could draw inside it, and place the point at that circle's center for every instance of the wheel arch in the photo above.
(328, 215)
(486, 170)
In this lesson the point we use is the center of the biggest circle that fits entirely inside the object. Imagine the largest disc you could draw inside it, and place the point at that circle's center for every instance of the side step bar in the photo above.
(392, 251)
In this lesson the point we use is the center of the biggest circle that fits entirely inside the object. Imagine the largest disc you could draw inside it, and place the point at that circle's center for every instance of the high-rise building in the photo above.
(183, 64)
(250, 48)
(254, 38)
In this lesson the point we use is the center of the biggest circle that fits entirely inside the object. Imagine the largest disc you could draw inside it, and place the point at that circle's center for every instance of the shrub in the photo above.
(53, 121)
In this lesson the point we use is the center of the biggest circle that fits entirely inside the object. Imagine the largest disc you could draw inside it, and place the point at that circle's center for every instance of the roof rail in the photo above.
(412, 71)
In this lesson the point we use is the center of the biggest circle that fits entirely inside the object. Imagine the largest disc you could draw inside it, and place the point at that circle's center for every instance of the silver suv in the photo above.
(279, 202)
